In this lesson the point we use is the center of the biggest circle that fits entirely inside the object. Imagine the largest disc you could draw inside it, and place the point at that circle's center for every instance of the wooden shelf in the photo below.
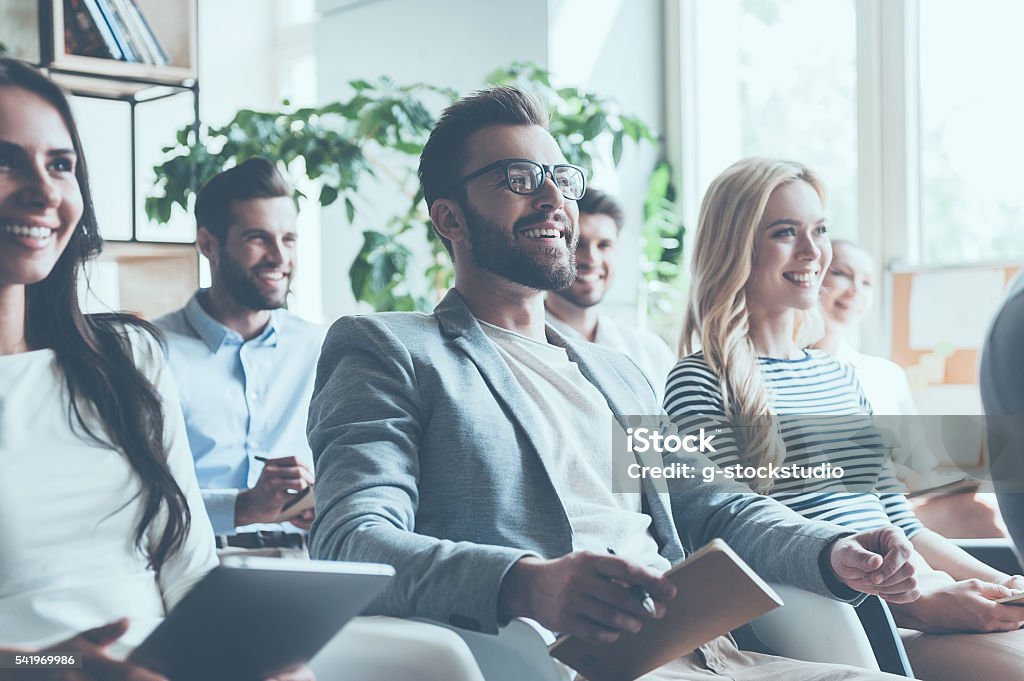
(34, 32)
(149, 279)
(173, 22)
(153, 279)
(127, 90)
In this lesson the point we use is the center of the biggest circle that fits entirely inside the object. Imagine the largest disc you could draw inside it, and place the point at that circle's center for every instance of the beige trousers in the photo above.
(721, 660)
(966, 657)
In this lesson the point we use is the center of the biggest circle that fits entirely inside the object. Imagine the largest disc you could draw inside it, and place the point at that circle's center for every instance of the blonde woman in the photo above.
(762, 249)
(847, 293)
(846, 296)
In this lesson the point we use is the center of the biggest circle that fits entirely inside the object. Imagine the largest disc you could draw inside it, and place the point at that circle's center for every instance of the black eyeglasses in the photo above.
(524, 176)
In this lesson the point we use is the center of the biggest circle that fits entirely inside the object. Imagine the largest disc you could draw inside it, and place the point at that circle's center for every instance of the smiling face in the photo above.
(40, 199)
(527, 239)
(256, 262)
(595, 260)
(791, 252)
(847, 292)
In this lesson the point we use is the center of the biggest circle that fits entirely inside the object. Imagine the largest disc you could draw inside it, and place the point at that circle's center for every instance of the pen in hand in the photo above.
(640, 592)
(296, 496)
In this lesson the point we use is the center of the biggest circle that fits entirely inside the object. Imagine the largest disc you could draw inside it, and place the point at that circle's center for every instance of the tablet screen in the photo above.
(253, 616)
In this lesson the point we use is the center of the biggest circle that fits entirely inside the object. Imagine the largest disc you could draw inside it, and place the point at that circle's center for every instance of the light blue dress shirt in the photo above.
(241, 399)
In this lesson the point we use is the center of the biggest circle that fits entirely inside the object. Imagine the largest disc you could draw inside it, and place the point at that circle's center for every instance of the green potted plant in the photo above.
(376, 136)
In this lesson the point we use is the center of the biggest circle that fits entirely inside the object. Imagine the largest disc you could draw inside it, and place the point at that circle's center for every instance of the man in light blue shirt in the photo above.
(245, 366)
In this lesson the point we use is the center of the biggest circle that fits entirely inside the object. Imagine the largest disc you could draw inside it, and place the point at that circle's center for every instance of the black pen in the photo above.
(264, 459)
(639, 591)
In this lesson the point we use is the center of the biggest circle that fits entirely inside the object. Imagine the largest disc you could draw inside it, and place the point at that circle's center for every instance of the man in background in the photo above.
(1002, 394)
(244, 365)
(471, 448)
(576, 311)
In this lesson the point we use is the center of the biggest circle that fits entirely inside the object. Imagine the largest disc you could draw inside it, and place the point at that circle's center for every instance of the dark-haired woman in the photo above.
(102, 527)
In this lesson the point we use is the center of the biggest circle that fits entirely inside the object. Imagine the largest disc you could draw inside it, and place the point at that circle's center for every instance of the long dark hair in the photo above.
(95, 355)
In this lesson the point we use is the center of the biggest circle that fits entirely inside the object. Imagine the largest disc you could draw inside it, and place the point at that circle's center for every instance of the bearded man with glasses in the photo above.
(471, 448)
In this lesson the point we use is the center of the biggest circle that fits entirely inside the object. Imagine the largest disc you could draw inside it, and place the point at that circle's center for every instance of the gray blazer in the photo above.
(422, 443)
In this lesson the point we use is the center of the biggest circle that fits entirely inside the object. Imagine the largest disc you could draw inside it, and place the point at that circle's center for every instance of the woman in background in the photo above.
(761, 252)
(101, 522)
(847, 293)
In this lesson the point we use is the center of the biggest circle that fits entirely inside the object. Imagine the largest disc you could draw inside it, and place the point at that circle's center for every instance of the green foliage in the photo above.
(663, 229)
(379, 133)
(323, 144)
(3, 50)
(579, 119)
(663, 233)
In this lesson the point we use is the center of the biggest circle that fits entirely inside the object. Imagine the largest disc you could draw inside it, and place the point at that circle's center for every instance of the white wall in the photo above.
(615, 48)
(244, 65)
(453, 43)
(611, 46)
(236, 62)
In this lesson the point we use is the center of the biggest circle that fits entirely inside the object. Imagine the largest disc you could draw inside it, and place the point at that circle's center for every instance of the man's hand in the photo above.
(304, 520)
(96, 664)
(966, 606)
(876, 562)
(585, 594)
(278, 481)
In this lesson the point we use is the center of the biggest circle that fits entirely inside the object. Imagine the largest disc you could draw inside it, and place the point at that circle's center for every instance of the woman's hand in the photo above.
(876, 562)
(91, 645)
(967, 606)
(1015, 582)
(302, 673)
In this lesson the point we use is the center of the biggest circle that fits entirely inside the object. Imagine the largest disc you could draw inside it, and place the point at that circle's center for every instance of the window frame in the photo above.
(888, 136)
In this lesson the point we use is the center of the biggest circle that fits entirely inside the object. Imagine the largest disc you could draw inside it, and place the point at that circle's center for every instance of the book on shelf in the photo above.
(86, 32)
(153, 46)
(119, 27)
(133, 32)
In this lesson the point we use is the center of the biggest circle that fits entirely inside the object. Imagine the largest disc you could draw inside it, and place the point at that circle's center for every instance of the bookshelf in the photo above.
(127, 112)
(33, 30)
(173, 22)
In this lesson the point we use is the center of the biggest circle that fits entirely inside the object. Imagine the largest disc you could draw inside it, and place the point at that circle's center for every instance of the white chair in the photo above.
(519, 651)
(385, 649)
(808, 627)
(813, 628)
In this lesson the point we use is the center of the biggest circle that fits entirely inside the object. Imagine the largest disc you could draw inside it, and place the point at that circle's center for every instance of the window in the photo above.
(909, 109)
(972, 144)
(779, 78)
(291, 12)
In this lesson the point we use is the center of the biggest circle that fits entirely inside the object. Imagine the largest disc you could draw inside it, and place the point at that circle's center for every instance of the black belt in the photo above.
(262, 540)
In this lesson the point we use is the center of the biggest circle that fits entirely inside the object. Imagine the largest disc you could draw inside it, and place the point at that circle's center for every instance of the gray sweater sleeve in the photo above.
(365, 423)
(781, 545)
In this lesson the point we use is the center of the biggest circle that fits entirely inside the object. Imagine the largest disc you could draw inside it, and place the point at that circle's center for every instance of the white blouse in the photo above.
(884, 382)
(69, 508)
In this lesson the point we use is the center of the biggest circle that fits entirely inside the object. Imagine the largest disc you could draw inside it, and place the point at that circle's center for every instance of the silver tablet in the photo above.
(251, 617)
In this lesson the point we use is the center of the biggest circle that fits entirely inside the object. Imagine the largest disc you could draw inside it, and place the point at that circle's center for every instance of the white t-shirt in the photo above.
(577, 450)
(68, 513)
(647, 349)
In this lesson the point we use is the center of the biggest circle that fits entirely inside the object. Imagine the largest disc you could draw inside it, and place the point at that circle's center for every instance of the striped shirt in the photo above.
(823, 419)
